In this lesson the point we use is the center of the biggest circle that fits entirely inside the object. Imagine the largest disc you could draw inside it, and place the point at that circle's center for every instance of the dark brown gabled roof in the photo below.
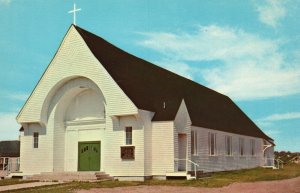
(150, 86)
(10, 148)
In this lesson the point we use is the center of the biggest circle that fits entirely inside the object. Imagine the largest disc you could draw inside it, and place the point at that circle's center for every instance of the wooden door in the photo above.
(182, 143)
(89, 156)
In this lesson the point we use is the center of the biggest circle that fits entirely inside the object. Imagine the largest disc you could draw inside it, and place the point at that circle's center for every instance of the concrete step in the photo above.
(187, 175)
(176, 175)
(103, 176)
(71, 176)
(192, 173)
(200, 174)
(3, 174)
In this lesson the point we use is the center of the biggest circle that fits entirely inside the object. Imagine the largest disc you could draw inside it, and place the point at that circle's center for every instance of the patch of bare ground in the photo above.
(279, 186)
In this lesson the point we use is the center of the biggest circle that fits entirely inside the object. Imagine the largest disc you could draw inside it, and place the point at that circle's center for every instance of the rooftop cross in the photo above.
(74, 13)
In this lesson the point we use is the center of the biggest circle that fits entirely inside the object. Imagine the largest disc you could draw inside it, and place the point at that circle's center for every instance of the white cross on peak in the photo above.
(74, 13)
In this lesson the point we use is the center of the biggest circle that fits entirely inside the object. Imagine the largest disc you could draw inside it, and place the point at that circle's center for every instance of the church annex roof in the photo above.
(150, 87)
(10, 148)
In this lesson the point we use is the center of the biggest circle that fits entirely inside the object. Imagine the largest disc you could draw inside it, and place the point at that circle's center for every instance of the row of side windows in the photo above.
(212, 145)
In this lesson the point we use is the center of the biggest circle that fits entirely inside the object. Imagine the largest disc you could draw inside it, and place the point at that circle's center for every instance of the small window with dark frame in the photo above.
(252, 146)
(128, 133)
(194, 143)
(35, 140)
(242, 146)
(212, 144)
(228, 145)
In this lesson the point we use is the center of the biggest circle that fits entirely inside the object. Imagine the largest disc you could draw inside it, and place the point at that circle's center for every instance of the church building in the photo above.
(98, 108)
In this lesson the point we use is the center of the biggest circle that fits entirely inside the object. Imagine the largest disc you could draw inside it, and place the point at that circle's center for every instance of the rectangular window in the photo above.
(241, 146)
(212, 143)
(1, 163)
(35, 140)
(228, 145)
(252, 146)
(128, 133)
(194, 143)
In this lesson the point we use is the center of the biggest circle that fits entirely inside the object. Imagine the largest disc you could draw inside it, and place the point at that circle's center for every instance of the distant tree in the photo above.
(285, 156)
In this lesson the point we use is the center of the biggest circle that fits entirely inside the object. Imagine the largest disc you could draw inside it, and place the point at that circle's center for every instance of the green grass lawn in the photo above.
(216, 180)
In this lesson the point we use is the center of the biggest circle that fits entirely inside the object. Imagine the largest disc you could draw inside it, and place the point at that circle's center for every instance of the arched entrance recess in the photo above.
(72, 111)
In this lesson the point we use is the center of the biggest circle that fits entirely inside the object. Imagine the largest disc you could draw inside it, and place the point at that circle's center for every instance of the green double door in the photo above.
(89, 156)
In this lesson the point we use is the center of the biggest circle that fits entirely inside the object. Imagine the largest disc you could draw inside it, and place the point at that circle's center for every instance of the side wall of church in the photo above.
(221, 161)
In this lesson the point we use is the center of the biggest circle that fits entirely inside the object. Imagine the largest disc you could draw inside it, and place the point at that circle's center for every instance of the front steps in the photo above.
(271, 167)
(70, 176)
(103, 176)
(190, 175)
(3, 174)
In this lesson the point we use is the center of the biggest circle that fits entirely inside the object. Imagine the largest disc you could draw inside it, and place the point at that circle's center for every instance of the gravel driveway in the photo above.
(282, 186)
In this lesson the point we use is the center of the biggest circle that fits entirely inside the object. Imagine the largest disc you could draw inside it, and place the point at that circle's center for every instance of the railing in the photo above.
(186, 165)
(274, 163)
(279, 163)
(10, 166)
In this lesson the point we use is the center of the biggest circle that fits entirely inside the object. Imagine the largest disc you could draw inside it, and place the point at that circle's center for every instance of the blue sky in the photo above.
(248, 50)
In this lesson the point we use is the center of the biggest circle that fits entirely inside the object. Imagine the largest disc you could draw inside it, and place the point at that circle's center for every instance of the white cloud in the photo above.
(251, 67)
(283, 116)
(272, 133)
(180, 68)
(5, 2)
(271, 12)
(18, 96)
(8, 126)
(254, 82)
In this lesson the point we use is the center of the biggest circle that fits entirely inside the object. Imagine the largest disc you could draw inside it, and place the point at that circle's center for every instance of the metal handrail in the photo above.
(10, 166)
(186, 165)
(279, 162)
(275, 163)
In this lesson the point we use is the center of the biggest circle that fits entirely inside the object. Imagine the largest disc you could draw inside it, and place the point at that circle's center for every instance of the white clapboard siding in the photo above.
(182, 125)
(36, 160)
(145, 121)
(115, 138)
(74, 59)
(162, 147)
(222, 162)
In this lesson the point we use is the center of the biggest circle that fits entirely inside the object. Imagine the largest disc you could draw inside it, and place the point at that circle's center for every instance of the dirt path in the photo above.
(282, 186)
(26, 185)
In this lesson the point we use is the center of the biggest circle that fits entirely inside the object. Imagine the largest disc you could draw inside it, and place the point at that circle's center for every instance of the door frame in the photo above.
(78, 157)
(182, 163)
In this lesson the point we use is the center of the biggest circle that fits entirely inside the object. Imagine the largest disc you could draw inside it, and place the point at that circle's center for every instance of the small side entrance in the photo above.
(182, 143)
(89, 156)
